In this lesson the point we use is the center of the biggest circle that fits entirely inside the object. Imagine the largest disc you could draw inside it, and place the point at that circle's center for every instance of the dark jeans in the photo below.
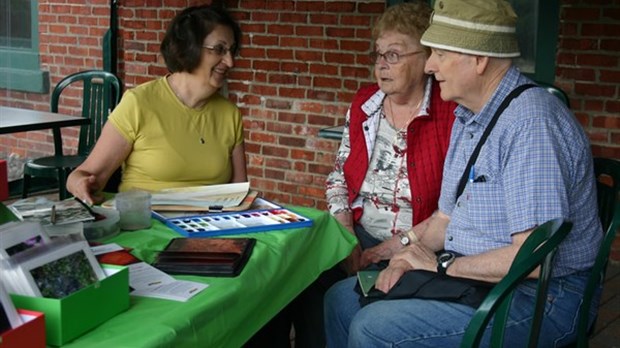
(305, 312)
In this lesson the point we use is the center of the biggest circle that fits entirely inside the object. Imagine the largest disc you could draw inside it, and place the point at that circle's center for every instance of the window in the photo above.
(19, 47)
(537, 30)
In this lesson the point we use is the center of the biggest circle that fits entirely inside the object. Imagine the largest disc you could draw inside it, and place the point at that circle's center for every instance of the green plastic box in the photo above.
(74, 315)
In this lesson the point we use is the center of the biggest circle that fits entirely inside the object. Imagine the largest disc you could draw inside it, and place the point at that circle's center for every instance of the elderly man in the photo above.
(534, 166)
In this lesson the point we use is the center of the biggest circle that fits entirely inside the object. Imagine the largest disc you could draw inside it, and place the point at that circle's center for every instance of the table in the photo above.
(230, 310)
(13, 120)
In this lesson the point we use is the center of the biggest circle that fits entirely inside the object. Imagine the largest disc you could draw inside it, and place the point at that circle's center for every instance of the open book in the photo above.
(224, 197)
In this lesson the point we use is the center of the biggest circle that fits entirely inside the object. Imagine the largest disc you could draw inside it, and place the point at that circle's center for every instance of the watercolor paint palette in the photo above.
(270, 217)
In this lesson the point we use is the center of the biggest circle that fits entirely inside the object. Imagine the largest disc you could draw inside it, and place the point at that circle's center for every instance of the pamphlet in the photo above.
(148, 281)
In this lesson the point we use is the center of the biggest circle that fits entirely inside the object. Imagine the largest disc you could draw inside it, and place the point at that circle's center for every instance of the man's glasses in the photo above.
(392, 57)
(222, 50)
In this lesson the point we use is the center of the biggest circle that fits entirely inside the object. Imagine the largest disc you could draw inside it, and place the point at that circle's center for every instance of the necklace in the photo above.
(191, 118)
(404, 127)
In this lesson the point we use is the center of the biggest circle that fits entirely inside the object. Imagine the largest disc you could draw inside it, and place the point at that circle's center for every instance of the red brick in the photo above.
(278, 104)
(607, 122)
(581, 14)
(277, 163)
(297, 93)
(292, 141)
(279, 29)
(610, 45)
(612, 106)
(308, 56)
(321, 95)
(327, 82)
(599, 60)
(595, 90)
(308, 30)
(610, 76)
(340, 6)
(265, 40)
(600, 29)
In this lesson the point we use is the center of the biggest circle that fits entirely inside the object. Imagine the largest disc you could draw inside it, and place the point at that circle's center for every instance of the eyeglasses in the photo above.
(222, 50)
(392, 57)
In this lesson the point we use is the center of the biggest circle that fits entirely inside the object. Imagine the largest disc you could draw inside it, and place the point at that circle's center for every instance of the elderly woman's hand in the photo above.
(383, 251)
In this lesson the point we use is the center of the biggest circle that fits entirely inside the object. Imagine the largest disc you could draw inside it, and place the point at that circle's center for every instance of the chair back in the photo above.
(556, 92)
(101, 91)
(537, 250)
(607, 172)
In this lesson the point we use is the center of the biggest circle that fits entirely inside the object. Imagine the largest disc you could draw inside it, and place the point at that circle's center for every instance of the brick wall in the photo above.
(588, 69)
(300, 64)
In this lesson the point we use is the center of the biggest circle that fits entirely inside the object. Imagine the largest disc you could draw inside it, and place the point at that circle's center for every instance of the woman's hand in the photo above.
(85, 187)
(383, 251)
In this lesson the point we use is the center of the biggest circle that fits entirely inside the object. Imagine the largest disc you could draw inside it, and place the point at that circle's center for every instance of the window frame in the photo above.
(547, 32)
(20, 68)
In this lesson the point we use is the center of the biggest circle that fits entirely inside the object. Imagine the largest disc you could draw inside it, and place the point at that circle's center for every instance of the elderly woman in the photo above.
(388, 171)
(174, 131)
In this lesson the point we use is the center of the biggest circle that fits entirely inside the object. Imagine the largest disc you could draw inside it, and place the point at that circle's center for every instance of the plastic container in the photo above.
(134, 208)
(108, 227)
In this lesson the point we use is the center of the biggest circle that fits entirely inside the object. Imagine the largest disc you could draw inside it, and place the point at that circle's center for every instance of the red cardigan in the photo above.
(427, 143)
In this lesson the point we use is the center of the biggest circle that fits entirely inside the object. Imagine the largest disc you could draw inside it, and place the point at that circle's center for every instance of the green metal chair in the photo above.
(537, 250)
(607, 173)
(101, 91)
(556, 92)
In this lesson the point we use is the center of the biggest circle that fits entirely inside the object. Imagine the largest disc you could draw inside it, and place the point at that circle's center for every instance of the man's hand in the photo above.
(389, 276)
(417, 256)
(414, 256)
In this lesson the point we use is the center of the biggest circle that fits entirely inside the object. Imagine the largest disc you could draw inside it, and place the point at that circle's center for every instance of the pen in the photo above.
(53, 215)
(472, 174)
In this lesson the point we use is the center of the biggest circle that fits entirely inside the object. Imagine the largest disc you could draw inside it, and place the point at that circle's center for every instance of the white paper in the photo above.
(148, 281)
(105, 248)
(178, 290)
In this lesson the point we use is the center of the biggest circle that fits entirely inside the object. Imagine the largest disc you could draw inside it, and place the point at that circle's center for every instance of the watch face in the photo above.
(404, 240)
(445, 257)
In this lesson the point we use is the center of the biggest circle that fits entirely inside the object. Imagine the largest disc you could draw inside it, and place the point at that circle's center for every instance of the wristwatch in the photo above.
(404, 239)
(444, 260)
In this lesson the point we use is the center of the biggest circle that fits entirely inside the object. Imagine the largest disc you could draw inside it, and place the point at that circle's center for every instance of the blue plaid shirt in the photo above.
(536, 165)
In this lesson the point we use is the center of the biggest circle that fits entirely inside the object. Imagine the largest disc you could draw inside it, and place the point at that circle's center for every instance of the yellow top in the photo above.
(173, 145)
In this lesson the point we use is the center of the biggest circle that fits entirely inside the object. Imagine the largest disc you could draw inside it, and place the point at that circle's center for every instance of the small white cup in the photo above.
(134, 208)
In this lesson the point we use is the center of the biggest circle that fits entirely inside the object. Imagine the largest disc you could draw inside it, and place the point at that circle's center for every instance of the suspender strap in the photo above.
(515, 93)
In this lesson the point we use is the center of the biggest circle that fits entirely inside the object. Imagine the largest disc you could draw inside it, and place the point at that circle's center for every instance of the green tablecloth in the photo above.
(230, 310)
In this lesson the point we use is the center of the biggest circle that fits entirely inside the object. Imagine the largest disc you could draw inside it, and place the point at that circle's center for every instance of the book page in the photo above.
(209, 197)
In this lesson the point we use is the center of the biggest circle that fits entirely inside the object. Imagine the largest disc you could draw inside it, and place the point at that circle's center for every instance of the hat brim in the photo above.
(471, 41)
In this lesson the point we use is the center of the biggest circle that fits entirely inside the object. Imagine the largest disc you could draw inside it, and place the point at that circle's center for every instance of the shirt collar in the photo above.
(506, 85)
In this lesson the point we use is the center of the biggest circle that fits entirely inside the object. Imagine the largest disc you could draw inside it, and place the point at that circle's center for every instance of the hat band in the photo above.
(475, 26)
(469, 51)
